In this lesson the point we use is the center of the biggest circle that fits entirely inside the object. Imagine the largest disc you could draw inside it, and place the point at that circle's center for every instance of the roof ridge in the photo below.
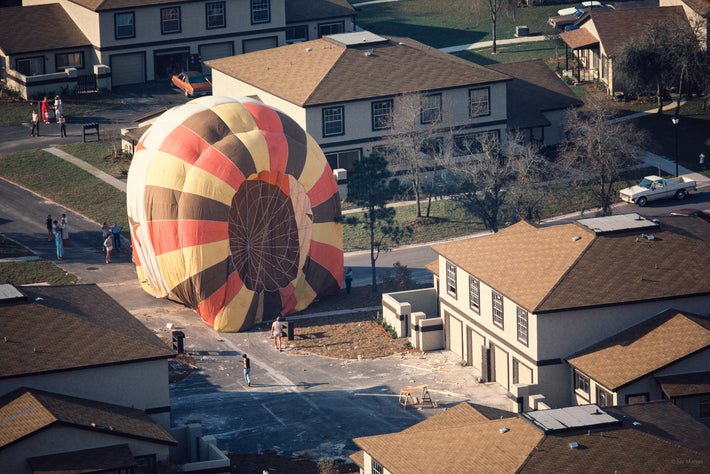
(330, 70)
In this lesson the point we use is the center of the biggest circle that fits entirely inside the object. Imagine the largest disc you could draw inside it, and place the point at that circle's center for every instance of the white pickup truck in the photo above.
(655, 187)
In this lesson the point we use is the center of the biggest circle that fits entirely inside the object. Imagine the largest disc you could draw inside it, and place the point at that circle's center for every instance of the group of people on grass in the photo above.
(58, 231)
(111, 238)
(45, 107)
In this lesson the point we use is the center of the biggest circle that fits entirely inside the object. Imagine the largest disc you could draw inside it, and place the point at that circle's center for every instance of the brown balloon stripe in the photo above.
(272, 304)
(169, 204)
(320, 278)
(204, 284)
(251, 317)
(297, 145)
(328, 210)
(207, 125)
(233, 148)
(215, 302)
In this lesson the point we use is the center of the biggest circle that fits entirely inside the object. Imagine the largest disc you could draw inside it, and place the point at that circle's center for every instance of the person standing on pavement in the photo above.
(247, 369)
(65, 229)
(57, 107)
(108, 245)
(50, 234)
(348, 279)
(62, 126)
(58, 239)
(116, 230)
(35, 123)
(45, 111)
(276, 330)
(105, 230)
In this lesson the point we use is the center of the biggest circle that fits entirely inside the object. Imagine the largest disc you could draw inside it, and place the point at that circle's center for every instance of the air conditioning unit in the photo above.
(522, 31)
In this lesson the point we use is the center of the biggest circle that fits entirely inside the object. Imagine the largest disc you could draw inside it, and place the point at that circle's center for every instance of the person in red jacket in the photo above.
(45, 110)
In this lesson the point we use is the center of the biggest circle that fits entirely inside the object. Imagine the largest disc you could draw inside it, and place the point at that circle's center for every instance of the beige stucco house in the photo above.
(698, 13)
(71, 44)
(517, 303)
(71, 351)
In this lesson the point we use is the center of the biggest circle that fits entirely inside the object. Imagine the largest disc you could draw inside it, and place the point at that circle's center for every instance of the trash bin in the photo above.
(178, 341)
(289, 330)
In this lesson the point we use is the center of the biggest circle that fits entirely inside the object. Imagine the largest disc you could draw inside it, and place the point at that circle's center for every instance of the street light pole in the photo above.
(675, 121)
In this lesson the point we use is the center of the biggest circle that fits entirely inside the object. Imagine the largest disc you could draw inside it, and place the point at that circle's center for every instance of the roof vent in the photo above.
(308, 50)
(650, 237)
(576, 238)
(400, 43)
(636, 423)
(574, 445)
(503, 430)
(367, 53)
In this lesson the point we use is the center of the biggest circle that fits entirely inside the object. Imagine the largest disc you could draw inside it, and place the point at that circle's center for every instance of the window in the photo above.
(30, 66)
(637, 398)
(604, 398)
(296, 34)
(498, 310)
(470, 143)
(381, 111)
(451, 279)
(432, 146)
(214, 13)
(124, 25)
(343, 159)
(377, 467)
(516, 371)
(260, 11)
(704, 407)
(581, 383)
(325, 29)
(474, 294)
(170, 20)
(431, 108)
(479, 102)
(523, 326)
(333, 121)
(63, 61)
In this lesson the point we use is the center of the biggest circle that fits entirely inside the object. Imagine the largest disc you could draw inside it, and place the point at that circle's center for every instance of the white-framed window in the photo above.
(381, 112)
(431, 108)
(474, 294)
(30, 66)
(333, 121)
(479, 102)
(215, 15)
(377, 467)
(260, 11)
(451, 279)
(66, 60)
(296, 34)
(497, 310)
(522, 326)
(581, 384)
(334, 28)
(170, 20)
(343, 159)
(125, 25)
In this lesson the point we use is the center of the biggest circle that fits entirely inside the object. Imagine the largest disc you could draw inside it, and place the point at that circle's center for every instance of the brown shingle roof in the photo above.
(476, 447)
(535, 89)
(48, 20)
(26, 411)
(104, 5)
(433, 267)
(458, 415)
(307, 10)
(72, 327)
(644, 348)
(684, 385)
(326, 71)
(701, 7)
(616, 27)
(358, 458)
(544, 269)
(579, 38)
(109, 458)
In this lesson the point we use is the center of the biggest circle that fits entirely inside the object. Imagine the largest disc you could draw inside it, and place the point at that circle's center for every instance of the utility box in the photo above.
(178, 341)
(522, 31)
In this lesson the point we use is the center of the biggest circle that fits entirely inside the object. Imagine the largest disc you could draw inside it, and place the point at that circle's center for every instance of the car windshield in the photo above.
(196, 79)
(646, 183)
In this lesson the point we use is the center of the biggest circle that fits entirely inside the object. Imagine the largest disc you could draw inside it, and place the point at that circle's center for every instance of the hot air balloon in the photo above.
(234, 212)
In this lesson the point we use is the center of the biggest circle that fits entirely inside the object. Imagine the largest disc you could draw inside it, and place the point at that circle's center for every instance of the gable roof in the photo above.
(535, 88)
(308, 10)
(615, 27)
(554, 268)
(327, 70)
(71, 327)
(684, 385)
(579, 38)
(643, 349)
(25, 411)
(701, 7)
(52, 19)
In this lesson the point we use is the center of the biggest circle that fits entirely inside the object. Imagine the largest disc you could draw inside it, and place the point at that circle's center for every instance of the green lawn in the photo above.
(100, 154)
(38, 271)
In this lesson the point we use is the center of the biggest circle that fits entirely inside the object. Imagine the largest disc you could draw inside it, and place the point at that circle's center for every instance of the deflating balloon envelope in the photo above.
(234, 212)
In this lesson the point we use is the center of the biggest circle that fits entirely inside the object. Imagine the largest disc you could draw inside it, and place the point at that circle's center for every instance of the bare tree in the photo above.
(492, 8)
(596, 149)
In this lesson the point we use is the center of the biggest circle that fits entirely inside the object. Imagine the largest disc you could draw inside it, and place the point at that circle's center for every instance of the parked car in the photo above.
(573, 14)
(654, 187)
(192, 83)
(704, 215)
(591, 4)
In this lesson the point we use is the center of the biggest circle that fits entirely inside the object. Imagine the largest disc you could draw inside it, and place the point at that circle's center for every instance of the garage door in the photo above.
(500, 368)
(215, 51)
(249, 46)
(474, 342)
(456, 336)
(127, 69)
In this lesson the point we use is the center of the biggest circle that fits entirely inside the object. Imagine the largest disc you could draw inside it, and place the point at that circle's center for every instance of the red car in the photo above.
(192, 83)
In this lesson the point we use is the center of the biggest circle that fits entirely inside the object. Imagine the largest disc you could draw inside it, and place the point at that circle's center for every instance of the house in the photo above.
(602, 33)
(635, 438)
(341, 89)
(89, 45)
(537, 100)
(313, 19)
(666, 356)
(698, 13)
(79, 373)
(517, 303)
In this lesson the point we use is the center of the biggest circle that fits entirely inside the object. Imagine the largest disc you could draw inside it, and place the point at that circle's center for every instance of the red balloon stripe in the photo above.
(168, 236)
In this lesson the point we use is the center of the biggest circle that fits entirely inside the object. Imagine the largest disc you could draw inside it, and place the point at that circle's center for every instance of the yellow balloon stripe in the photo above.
(232, 315)
(315, 164)
(330, 233)
(242, 124)
(169, 172)
(181, 264)
(304, 296)
(255, 142)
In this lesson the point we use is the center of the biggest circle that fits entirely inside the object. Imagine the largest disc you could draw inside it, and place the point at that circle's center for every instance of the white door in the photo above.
(500, 369)
(456, 336)
(127, 69)
(474, 342)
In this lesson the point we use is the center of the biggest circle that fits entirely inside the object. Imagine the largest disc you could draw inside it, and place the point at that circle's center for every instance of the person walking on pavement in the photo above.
(50, 234)
(276, 330)
(58, 239)
(247, 369)
(65, 229)
(108, 245)
(35, 123)
(116, 230)
(348, 279)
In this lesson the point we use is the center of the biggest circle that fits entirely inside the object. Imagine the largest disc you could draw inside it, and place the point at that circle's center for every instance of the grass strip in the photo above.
(38, 271)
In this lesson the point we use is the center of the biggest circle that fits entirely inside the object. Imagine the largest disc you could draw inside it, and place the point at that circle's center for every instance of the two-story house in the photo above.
(123, 42)
(517, 303)
(342, 89)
